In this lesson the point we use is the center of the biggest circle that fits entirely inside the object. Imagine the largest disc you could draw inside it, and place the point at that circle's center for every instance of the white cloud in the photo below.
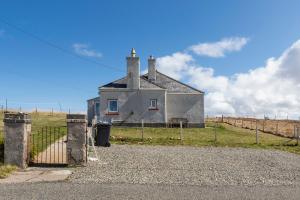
(83, 50)
(174, 64)
(273, 89)
(218, 49)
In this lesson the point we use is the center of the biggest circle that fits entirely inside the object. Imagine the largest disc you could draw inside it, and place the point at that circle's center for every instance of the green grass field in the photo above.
(227, 136)
(39, 120)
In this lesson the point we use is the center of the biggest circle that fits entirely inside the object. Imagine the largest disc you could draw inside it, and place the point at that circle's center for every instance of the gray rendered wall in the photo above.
(91, 109)
(136, 101)
(190, 106)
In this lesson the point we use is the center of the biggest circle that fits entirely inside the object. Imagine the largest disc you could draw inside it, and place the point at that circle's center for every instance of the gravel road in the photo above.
(191, 166)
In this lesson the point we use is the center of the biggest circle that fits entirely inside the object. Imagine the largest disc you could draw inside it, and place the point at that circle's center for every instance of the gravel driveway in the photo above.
(191, 166)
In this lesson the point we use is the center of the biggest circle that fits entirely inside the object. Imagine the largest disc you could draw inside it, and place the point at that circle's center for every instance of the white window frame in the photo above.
(151, 104)
(108, 106)
(95, 109)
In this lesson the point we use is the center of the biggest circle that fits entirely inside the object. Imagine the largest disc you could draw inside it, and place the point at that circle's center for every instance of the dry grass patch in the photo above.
(5, 170)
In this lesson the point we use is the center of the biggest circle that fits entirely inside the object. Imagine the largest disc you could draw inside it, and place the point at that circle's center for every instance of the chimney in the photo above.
(151, 69)
(133, 71)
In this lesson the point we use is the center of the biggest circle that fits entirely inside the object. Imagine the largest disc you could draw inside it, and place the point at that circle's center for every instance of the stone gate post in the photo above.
(76, 145)
(17, 130)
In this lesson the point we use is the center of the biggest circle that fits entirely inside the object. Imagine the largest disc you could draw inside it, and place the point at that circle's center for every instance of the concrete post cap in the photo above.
(76, 118)
(19, 117)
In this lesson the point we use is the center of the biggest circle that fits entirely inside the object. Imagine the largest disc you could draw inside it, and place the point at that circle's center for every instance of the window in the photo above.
(97, 109)
(153, 104)
(113, 106)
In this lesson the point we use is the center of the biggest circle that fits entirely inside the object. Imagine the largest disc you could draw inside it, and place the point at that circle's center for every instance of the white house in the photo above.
(155, 98)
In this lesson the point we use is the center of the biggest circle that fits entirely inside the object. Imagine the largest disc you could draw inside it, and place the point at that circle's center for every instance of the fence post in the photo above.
(76, 145)
(181, 132)
(277, 127)
(297, 136)
(17, 130)
(256, 133)
(215, 131)
(142, 129)
(5, 105)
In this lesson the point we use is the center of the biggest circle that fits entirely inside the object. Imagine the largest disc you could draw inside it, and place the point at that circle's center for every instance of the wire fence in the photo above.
(216, 133)
(284, 128)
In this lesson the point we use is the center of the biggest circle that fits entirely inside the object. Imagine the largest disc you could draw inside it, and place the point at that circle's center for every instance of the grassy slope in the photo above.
(39, 120)
(1, 138)
(1, 128)
(227, 136)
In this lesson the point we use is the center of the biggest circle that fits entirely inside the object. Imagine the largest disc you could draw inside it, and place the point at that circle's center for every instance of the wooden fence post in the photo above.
(256, 133)
(215, 131)
(297, 136)
(181, 132)
(142, 130)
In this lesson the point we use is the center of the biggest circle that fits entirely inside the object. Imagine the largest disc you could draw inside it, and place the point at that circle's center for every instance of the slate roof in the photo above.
(121, 83)
(162, 82)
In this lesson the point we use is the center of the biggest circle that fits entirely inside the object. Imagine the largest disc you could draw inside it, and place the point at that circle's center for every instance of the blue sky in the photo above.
(34, 74)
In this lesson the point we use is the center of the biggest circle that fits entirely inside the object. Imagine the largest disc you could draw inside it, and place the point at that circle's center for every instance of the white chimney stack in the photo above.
(151, 69)
(133, 71)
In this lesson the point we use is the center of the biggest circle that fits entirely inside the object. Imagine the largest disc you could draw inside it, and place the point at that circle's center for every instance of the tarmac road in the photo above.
(67, 190)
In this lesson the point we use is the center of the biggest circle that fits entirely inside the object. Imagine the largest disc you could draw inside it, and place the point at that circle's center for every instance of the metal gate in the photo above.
(48, 147)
